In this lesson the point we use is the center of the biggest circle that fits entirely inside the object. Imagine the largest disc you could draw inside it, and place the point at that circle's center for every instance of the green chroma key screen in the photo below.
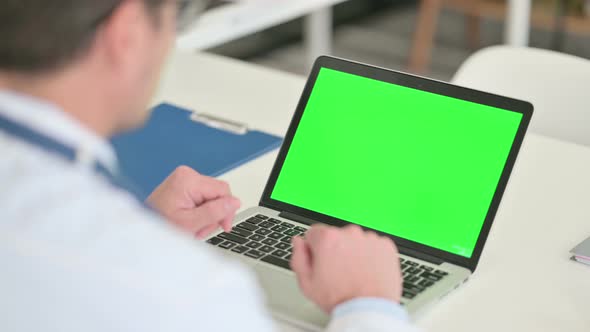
(406, 162)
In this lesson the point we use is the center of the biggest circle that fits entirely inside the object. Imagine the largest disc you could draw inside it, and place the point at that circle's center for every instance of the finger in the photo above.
(213, 212)
(315, 234)
(227, 224)
(354, 229)
(301, 263)
(390, 243)
(203, 233)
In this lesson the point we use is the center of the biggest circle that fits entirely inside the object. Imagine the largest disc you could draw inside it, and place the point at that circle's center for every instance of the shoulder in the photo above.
(68, 210)
(71, 236)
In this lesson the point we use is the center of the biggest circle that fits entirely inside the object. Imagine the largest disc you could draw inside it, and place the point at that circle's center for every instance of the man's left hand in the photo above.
(197, 204)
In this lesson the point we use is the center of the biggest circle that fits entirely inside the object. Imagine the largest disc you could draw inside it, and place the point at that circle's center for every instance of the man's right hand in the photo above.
(335, 265)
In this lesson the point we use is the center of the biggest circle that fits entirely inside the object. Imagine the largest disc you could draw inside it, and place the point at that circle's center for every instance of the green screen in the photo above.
(406, 162)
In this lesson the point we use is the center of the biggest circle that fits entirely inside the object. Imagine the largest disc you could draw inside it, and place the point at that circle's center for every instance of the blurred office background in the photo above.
(430, 37)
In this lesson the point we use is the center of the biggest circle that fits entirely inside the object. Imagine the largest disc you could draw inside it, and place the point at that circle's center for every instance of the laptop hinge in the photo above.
(420, 255)
(298, 218)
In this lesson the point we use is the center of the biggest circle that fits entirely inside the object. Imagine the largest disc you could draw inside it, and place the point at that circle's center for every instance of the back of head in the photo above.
(42, 35)
(98, 60)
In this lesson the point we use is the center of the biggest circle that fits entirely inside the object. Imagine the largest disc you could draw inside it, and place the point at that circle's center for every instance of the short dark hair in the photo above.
(42, 35)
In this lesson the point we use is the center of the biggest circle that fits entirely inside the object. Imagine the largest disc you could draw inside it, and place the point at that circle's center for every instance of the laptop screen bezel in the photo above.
(420, 83)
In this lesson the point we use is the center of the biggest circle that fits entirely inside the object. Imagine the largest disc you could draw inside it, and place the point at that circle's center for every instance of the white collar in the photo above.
(50, 120)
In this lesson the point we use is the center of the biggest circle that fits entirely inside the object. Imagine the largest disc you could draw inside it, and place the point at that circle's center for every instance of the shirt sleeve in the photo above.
(370, 315)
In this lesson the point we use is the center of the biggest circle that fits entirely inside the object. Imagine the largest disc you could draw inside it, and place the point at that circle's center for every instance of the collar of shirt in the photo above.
(50, 120)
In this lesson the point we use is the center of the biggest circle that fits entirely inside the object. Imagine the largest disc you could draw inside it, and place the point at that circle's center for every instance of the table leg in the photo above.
(318, 34)
(424, 33)
(518, 22)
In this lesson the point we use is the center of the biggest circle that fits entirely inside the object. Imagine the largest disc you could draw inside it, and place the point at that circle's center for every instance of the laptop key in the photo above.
(287, 239)
(288, 257)
(267, 249)
(247, 226)
(254, 220)
(426, 283)
(288, 225)
(408, 295)
(412, 263)
(275, 236)
(427, 268)
(253, 244)
(256, 237)
(266, 224)
(241, 232)
(240, 249)
(301, 229)
(261, 216)
(279, 253)
(274, 221)
(269, 242)
(254, 254)
(227, 245)
(233, 237)
(263, 231)
(283, 246)
(215, 240)
(292, 232)
(413, 270)
(279, 228)
(440, 273)
(413, 288)
(274, 260)
(431, 276)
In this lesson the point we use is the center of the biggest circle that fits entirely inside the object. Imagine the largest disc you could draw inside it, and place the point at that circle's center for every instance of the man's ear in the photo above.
(122, 37)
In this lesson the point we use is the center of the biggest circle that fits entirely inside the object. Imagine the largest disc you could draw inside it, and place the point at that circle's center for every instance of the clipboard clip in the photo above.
(220, 123)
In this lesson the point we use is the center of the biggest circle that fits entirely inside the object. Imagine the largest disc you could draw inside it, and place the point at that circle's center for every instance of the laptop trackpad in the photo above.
(285, 298)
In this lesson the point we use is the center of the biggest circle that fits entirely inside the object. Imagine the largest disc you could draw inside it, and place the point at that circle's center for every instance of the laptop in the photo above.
(420, 161)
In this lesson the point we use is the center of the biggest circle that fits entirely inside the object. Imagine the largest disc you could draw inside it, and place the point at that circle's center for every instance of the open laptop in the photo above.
(421, 161)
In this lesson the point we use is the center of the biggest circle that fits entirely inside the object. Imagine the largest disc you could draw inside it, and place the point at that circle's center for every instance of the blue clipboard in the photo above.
(174, 136)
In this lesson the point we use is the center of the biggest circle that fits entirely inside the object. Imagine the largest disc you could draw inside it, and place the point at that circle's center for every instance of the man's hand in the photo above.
(337, 265)
(198, 204)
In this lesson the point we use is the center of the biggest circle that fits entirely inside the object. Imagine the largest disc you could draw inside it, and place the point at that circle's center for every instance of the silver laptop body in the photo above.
(262, 234)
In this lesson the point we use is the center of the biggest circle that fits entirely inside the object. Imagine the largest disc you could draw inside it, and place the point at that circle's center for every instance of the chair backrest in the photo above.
(558, 85)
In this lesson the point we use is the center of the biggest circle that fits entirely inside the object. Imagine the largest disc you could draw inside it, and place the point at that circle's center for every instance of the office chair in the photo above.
(557, 84)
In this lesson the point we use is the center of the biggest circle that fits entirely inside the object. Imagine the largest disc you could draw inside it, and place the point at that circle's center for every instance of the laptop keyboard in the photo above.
(261, 237)
(269, 240)
(417, 277)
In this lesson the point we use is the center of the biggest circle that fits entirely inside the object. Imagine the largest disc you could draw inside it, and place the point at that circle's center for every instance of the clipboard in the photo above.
(174, 136)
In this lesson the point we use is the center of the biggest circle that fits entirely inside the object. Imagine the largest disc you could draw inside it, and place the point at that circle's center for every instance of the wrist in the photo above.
(388, 296)
(371, 304)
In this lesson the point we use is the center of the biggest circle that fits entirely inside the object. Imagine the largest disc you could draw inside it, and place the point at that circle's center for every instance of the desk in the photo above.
(525, 281)
(232, 21)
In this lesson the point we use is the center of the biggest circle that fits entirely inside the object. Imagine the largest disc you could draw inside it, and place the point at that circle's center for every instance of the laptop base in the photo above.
(287, 303)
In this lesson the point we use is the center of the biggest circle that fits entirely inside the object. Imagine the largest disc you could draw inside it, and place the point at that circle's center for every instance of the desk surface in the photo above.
(243, 17)
(525, 280)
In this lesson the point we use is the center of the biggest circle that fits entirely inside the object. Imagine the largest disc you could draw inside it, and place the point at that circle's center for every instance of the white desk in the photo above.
(232, 21)
(524, 282)
(243, 17)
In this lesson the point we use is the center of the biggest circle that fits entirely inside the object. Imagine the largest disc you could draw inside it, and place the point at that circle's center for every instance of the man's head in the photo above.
(107, 51)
